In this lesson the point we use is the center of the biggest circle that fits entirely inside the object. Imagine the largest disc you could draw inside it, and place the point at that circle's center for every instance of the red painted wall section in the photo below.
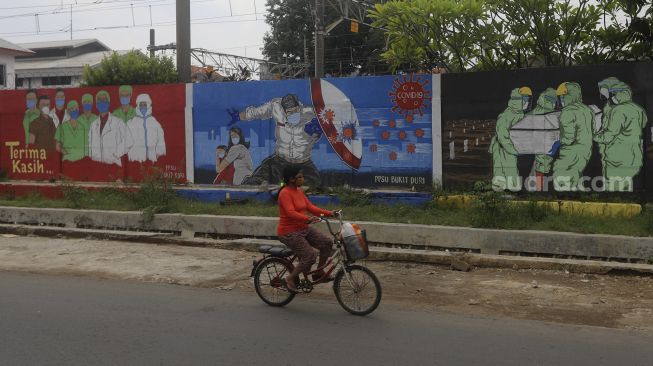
(122, 152)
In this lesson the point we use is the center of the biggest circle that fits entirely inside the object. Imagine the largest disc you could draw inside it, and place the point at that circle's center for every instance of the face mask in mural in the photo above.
(294, 118)
(74, 114)
(59, 102)
(45, 110)
(88, 107)
(221, 155)
(125, 100)
(235, 140)
(605, 94)
(103, 107)
(31, 103)
(143, 111)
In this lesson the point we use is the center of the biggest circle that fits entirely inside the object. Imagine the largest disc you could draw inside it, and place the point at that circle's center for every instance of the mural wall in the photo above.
(573, 129)
(366, 132)
(93, 134)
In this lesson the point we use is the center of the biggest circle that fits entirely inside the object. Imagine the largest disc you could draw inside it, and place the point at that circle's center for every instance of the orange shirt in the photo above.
(293, 205)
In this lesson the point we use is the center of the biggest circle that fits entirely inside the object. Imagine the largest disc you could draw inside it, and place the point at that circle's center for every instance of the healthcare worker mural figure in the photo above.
(108, 138)
(87, 116)
(296, 132)
(504, 155)
(125, 112)
(621, 138)
(32, 112)
(576, 126)
(72, 135)
(604, 87)
(546, 103)
(149, 140)
(59, 113)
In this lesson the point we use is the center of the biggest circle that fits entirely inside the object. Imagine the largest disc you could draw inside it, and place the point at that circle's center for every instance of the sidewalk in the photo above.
(556, 296)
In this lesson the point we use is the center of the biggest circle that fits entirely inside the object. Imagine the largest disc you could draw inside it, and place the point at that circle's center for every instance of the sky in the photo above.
(228, 26)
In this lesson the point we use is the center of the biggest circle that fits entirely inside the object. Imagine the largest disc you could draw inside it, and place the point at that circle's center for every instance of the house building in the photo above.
(8, 53)
(58, 63)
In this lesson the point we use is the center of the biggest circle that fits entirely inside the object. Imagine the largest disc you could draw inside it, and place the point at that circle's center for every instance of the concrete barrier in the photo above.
(484, 241)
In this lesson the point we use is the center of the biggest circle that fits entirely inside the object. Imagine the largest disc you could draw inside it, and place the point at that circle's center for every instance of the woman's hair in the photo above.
(241, 137)
(290, 171)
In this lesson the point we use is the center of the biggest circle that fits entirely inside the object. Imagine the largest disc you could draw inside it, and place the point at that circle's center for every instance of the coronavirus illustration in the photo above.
(410, 95)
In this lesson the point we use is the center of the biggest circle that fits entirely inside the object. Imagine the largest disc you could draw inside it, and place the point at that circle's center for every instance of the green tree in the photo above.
(291, 29)
(133, 68)
(464, 35)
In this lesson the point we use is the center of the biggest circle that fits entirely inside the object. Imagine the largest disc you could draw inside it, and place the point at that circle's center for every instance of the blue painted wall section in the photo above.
(386, 140)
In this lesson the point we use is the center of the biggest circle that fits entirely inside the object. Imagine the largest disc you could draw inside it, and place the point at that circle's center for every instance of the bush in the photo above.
(490, 209)
(155, 195)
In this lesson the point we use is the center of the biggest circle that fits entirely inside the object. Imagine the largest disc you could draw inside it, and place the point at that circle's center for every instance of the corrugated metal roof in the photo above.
(14, 47)
(62, 44)
(91, 59)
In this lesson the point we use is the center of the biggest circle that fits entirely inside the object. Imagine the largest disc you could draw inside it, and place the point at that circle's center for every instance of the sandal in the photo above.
(292, 290)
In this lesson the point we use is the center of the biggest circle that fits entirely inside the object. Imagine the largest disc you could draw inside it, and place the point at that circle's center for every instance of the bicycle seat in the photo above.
(275, 251)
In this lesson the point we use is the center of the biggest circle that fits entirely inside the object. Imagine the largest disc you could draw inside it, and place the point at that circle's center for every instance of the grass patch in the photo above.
(490, 210)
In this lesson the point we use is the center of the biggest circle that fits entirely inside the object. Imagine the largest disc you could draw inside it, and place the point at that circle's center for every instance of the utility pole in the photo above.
(183, 40)
(319, 38)
(152, 42)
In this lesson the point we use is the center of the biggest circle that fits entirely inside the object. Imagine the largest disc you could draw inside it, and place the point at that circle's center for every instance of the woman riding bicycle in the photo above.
(294, 230)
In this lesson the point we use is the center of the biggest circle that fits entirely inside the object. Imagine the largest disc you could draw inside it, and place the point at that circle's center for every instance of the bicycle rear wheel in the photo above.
(358, 290)
(269, 281)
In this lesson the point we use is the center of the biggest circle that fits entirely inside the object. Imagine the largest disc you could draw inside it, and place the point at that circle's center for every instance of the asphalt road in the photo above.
(81, 321)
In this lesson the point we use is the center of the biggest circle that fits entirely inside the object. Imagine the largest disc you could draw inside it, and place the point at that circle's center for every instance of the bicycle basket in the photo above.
(355, 241)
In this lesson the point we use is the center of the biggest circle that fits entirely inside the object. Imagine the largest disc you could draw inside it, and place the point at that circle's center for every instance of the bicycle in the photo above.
(356, 287)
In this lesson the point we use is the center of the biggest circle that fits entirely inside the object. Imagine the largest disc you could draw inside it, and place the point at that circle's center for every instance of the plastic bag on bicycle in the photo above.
(355, 241)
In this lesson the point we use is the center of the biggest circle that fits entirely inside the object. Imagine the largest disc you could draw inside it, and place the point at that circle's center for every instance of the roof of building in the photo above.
(91, 59)
(62, 44)
(14, 48)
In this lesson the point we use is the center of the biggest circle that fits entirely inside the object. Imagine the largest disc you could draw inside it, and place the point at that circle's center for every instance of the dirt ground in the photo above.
(552, 296)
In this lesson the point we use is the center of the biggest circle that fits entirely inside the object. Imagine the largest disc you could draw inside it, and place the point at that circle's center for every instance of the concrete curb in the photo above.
(376, 253)
(425, 237)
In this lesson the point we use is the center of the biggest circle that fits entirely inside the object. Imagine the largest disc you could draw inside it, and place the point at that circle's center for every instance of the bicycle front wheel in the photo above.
(269, 281)
(357, 289)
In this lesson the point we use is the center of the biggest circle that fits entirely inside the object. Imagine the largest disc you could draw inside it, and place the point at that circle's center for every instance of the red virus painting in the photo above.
(374, 148)
(419, 133)
(348, 132)
(410, 148)
(385, 135)
(409, 118)
(410, 95)
(376, 123)
(393, 156)
(402, 135)
(392, 123)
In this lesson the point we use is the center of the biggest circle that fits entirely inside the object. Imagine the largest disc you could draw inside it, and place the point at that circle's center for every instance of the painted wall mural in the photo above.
(93, 134)
(367, 132)
(588, 135)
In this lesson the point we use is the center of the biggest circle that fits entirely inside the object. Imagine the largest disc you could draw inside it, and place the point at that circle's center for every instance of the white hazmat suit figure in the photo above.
(149, 141)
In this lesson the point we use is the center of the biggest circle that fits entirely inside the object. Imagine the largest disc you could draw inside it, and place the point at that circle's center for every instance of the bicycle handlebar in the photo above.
(337, 214)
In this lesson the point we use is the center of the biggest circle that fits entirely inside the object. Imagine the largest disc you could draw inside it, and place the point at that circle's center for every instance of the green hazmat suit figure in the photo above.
(505, 174)
(621, 138)
(546, 103)
(576, 126)
(31, 113)
(125, 112)
(87, 116)
(604, 91)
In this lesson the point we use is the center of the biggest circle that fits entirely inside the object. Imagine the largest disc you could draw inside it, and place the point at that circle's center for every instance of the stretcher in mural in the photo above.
(548, 141)
(93, 134)
(340, 131)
